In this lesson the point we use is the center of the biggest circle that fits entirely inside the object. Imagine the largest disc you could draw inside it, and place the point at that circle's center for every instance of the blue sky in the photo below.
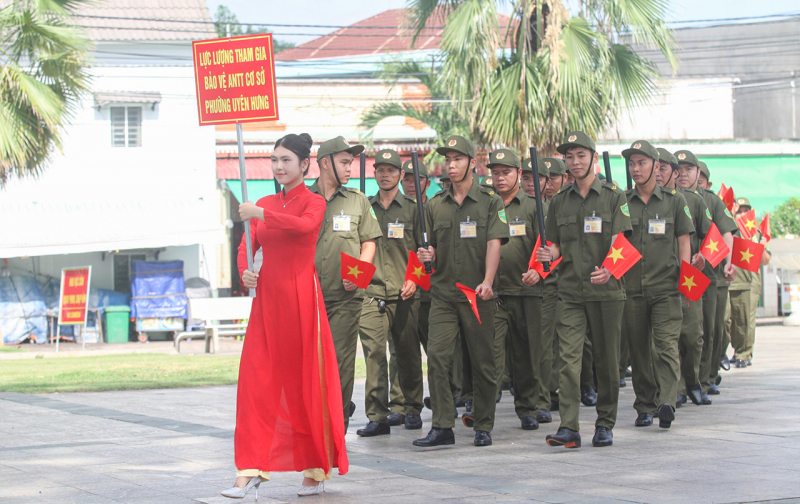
(345, 12)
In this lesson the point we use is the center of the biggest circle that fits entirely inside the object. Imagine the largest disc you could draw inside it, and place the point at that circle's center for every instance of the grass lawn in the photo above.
(8, 349)
(121, 372)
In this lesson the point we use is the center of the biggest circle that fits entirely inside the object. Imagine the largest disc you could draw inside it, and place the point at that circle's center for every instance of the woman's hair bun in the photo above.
(299, 144)
(307, 138)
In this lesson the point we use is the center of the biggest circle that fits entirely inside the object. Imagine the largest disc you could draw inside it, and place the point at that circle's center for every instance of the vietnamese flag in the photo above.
(726, 194)
(534, 264)
(621, 257)
(747, 224)
(693, 283)
(765, 228)
(357, 271)
(472, 297)
(747, 254)
(415, 271)
(714, 248)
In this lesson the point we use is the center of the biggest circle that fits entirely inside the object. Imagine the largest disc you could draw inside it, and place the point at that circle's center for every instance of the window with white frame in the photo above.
(126, 126)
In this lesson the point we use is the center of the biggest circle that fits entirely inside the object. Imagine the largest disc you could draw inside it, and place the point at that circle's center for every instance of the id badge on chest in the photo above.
(469, 229)
(341, 222)
(592, 224)
(657, 226)
(516, 228)
(396, 230)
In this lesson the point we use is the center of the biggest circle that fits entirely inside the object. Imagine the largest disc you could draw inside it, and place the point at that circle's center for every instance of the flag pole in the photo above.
(243, 179)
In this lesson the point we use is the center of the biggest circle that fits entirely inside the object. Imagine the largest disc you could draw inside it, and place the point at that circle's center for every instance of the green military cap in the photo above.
(544, 169)
(337, 145)
(642, 147)
(445, 176)
(487, 181)
(390, 157)
(704, 169)
(460, 144)
(576, 139)
(743, 202)
(505, 157)
(665, 156)
(556, 166)
(409, 168)
(686, 157)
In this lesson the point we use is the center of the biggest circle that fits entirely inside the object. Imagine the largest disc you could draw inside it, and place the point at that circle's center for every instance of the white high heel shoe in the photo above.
(240, 492)
(306, 491)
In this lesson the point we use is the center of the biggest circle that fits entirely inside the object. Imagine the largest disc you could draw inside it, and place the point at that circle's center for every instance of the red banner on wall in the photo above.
(74, 297)
(235, 79)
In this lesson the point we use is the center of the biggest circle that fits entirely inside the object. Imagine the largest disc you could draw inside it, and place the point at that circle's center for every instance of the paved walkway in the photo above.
(176, 446)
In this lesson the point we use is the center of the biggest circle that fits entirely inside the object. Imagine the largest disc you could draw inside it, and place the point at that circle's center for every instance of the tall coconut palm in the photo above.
(437, 111)
(43, 73)
(550, 72)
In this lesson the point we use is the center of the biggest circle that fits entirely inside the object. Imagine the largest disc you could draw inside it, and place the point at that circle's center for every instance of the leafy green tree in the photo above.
(227, 25)
(437, 111)
(43, 73)
(785, 220)
(545, 72)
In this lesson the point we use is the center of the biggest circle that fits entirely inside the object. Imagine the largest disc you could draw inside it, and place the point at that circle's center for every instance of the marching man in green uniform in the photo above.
(690, 173)
(518, 321)
(390, 308)
(582, 221)
(467, 225)
(690, 345)
(662, 223)
(350, 226)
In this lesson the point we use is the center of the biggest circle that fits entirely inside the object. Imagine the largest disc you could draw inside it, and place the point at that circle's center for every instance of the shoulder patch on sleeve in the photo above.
(625, 210)
(502, 215)
(372, 213)
(728, 213)
(689, 213)
(708, 214)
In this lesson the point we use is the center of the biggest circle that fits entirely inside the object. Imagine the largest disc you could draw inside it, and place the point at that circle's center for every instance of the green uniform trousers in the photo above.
(455, 365)
(518, 322)
(726, 338)
(587, 365)
(603, 321)
(399, 325)
(343, 317)
(624, 354)
(396, 398)
(709, 320)
(446, 321)
(755, 294)
(741, 302)
(549, 362)
(691, 341)
(720, 341)
(653, 325)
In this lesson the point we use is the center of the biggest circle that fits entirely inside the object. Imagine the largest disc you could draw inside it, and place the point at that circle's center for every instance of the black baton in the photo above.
(420, 207)
(607, 164)
(363, 161)
(539, 212)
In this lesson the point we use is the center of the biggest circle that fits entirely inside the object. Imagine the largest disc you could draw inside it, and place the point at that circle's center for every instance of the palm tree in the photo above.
(545, 73)
(43, 74)
(438, 111)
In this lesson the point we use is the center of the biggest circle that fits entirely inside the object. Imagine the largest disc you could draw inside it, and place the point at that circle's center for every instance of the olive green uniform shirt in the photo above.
(460, 259)
(330, 244)
(583, 251)
(701, 217)
(658, 270)
(516, 253)
(391, 253)
(724, 220)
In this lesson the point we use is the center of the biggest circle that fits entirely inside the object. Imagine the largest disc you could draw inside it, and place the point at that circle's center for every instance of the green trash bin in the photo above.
(117, 324)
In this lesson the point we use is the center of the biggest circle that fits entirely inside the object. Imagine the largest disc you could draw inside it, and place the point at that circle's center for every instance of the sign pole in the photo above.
(243, 179)
(86, 310)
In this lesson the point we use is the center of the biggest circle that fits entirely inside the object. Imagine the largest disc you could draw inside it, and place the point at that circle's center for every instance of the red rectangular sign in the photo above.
(235, 79)
(72, 302)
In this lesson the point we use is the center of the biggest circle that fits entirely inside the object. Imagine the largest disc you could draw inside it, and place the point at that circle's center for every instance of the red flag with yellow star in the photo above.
(415, 271)
(534, 263)
(357, 271)
(714, 248)
(747, 224)
(472, 297)
(747, 254)
(692, 282)
(621, 257)
(727, 197)
(765, 228)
